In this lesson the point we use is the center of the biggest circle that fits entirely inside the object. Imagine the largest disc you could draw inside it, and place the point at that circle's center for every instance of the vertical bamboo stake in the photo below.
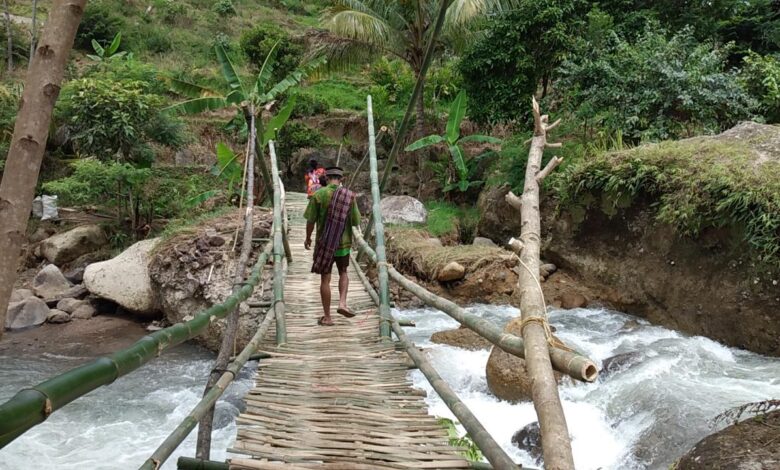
(281, 325)
(384, 295)
(41, 89)
(556, 444)
(203, 450)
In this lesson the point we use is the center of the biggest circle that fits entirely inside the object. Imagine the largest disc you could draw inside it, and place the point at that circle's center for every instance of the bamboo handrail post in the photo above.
(384, 292)
(178, 435)
(187, 463)
(281, 325)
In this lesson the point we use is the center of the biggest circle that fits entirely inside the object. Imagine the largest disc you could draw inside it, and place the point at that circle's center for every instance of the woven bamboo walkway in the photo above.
(334, 397)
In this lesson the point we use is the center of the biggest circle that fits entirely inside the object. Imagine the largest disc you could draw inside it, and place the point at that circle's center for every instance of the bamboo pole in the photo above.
(556, 443)
(260, 161)
(28, 143)
(31, 406)
(231, 326)
(410, 108)
(352, 178)
(178, 435)
(567, 362)
(281, 325)
(186, 463)
(384, 292)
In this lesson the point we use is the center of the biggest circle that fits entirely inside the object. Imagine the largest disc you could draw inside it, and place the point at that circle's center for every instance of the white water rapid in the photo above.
(648, 411)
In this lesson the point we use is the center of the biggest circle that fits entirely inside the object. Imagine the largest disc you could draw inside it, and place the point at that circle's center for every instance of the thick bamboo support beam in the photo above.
(487, 445)
(33, 405)
(567, 362)
(186, 463)
(379, 230)
(281, 325)
(184, 428)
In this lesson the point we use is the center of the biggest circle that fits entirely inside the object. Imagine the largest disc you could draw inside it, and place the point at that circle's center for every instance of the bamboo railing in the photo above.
(31, 406)
(279, 250)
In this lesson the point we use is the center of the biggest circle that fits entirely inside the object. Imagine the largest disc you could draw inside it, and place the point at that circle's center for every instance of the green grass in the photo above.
(445, 218)
(340, 93)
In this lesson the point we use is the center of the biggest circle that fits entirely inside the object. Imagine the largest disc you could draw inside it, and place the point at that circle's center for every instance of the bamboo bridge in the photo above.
(335, 397)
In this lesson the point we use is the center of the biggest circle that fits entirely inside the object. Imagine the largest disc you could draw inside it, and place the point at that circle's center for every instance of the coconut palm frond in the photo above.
(362, 27)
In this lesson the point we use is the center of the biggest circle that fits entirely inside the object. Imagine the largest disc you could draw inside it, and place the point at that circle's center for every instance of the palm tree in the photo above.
(249, 101)
(362, 29)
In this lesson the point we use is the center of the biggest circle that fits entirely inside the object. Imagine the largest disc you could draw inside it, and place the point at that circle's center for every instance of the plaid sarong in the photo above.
(328, 241)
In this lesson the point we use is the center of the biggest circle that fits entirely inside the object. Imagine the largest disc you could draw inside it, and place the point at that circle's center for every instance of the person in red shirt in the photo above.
(312, 177)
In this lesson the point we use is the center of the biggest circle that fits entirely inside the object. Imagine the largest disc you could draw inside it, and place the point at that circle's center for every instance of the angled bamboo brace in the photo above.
(567, 362)
(31, 406)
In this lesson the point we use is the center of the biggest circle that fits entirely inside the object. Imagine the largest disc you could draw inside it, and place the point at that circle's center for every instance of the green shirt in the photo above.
(317, 213)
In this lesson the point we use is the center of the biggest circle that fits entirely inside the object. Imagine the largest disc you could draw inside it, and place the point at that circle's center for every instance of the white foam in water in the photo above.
(643, 414)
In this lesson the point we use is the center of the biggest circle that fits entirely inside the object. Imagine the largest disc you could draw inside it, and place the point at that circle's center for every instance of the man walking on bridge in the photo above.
(333, 211)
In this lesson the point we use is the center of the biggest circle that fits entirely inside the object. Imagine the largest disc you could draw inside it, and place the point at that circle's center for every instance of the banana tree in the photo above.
(453, 140)
(103, 54)
(250, 101)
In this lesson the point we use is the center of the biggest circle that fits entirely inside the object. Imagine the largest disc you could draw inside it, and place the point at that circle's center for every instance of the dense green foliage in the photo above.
(257, 44)
(692, 185)
(448, 219)
(657, 87)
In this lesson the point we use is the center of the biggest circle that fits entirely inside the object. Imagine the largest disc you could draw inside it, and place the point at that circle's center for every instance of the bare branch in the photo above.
(554, 162)
(553, 145)
(513, 200)
(553, 125)
(538, 124)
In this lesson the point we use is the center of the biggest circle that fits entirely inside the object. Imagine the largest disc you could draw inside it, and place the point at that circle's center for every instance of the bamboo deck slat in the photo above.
(334, 397)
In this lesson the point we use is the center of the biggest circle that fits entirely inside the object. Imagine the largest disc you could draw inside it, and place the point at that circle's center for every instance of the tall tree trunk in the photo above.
(205, 426)
(33, 30)
(8, 31)
(28, 143)
(419, 125)
(556, 444)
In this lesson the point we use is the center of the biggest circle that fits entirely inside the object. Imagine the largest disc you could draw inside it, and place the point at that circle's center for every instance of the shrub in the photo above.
(224, 8)
(394, 77)
(21, 45)
(256, 43)
(294, 136)
(761, 76)
(109, 118)
(306, 104)
(172, 12)
(656, 87)
(101, 23)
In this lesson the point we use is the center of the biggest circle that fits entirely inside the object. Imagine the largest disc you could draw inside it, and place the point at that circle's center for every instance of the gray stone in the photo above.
(17, 295)
(29, 312)
(69, 305)
(434, 242)
(529, 439)
(75, 275)
(57, 316)
(50, 282)
(547, 269)
(74, 292)
(482, 241)
(571, 300)
(453, 271)
(84, 312)
(67, 246)
(125, 279)
(403, 210)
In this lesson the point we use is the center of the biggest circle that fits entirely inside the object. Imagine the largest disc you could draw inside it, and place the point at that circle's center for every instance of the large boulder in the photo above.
(125, 279)
(506, 374)
(753, 441)
(29, 312)
(67, 246)
(17, 295)
(50, 283)
(403, 210)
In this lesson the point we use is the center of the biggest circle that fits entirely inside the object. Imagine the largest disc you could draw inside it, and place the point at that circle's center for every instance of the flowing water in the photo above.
(644, 414)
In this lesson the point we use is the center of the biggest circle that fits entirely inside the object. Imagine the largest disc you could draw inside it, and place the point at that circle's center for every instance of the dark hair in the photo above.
(313, 164)
(323, 180)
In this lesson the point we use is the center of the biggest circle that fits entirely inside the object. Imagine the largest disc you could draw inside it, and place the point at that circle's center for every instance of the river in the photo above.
(642, 416)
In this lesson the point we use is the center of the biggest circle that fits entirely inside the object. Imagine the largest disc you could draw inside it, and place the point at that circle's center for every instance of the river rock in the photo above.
(69, 305)
(529, 439)
(482, 241)
(571, 300)
(753, 441)
(403, 210)
(547, 269)
(453, 271)
(17, 295)
(85, 311)
(50, 282)
(461, 338)
(67, 246)
(125, 279)
(619, 362)
(29, 312)
(57, 316)
(507, 377)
